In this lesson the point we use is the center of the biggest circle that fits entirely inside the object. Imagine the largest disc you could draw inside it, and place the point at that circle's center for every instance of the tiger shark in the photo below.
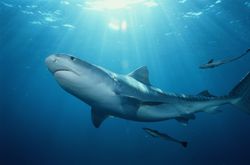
(132, 97)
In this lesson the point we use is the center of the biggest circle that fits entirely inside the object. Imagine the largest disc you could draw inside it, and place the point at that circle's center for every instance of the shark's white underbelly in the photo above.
(102, 97)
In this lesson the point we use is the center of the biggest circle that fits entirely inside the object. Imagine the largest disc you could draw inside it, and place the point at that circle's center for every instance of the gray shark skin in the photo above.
(155, 133)
(213, 64)
(131, 96)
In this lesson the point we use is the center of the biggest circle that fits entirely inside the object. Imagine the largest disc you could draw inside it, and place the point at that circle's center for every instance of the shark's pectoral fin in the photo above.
(97, 117)
(185, 118)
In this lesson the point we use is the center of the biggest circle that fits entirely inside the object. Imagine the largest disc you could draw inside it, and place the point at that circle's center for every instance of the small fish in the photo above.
(212, 64)
(163, 136)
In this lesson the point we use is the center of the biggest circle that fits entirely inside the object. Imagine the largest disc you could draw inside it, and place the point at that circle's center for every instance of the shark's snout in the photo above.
(50, 61)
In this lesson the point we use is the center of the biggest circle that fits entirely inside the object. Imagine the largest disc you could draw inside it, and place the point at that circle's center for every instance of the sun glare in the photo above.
(117, 25)
(117, 4)
(124, 25)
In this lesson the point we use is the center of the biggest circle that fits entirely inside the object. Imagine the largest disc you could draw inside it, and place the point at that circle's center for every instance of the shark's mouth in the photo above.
(60, 70)
(65, 70)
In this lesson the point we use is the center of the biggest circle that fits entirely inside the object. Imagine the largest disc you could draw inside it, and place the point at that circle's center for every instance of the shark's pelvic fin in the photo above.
(141, 74)
(205, 93)
(185, 118)
(97, 117)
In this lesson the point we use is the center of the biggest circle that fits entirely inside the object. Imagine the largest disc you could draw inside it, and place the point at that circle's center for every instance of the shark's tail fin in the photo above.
(242, 91)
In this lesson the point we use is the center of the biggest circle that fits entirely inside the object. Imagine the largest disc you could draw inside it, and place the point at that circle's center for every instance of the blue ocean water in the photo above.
(42, 124)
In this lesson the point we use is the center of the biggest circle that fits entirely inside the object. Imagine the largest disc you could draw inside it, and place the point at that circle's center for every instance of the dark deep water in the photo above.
(42, 124)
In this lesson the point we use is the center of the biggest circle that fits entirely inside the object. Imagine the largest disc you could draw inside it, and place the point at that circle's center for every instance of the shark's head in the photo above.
(66, 69)
(60, 64)
(76, 76)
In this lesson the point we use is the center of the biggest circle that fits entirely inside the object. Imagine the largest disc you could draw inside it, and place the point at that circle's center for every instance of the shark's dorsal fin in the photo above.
(97, 117)
(205, 93)
(141, 74)
(210, 61)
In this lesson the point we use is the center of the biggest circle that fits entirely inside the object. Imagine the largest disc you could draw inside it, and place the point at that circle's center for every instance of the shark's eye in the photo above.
(72, 58)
